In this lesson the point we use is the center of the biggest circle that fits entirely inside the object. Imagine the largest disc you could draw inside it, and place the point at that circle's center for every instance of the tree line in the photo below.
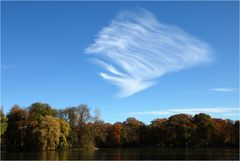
(41, 127)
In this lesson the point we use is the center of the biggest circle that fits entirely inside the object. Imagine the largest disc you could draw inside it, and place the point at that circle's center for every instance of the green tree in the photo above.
(180, 130)
(157, 133)
(204, 129)
(36, 110)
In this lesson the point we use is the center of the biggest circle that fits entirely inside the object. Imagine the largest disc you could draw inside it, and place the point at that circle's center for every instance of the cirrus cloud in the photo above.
(224, 89)
(192, 111)
(136, 49)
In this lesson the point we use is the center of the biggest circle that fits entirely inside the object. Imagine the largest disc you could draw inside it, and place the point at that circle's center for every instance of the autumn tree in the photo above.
(157, 133)
(48, 133)
(45, 131)
(133, 130)
(236, 133)
(15, 132)
(3, 122)
(81, 133)
(64, 132)
(223, 133)
(100, 129)
(87, 136)
(51, 133)
(115, 135)
(70, 115)
(40, 127)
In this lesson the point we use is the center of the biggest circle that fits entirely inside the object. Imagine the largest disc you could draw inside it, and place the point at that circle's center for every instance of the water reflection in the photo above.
(45, 155)
(127, 154)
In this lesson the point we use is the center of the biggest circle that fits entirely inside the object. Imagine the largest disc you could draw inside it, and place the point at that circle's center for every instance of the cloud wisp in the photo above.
(224, 89)
(191, 111)
(3, 66)
(136, 49)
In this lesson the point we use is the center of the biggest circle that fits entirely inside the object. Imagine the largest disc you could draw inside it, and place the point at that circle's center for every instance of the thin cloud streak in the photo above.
(3, 66)
(224, 89)
(136, 49)
(192, 111)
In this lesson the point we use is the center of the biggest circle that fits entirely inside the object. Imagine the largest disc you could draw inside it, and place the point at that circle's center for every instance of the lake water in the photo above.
(128, 154)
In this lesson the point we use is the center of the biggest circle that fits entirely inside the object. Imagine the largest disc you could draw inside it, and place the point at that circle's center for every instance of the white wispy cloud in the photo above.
(136, 49)
(224, 89)
(191, 111)
(4, 66)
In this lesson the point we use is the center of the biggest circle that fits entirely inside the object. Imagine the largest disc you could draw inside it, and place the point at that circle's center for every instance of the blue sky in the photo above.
(45, 58)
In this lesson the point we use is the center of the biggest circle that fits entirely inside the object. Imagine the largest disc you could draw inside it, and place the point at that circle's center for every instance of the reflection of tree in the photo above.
(48, 155)
(117, 154)
(63, 155)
